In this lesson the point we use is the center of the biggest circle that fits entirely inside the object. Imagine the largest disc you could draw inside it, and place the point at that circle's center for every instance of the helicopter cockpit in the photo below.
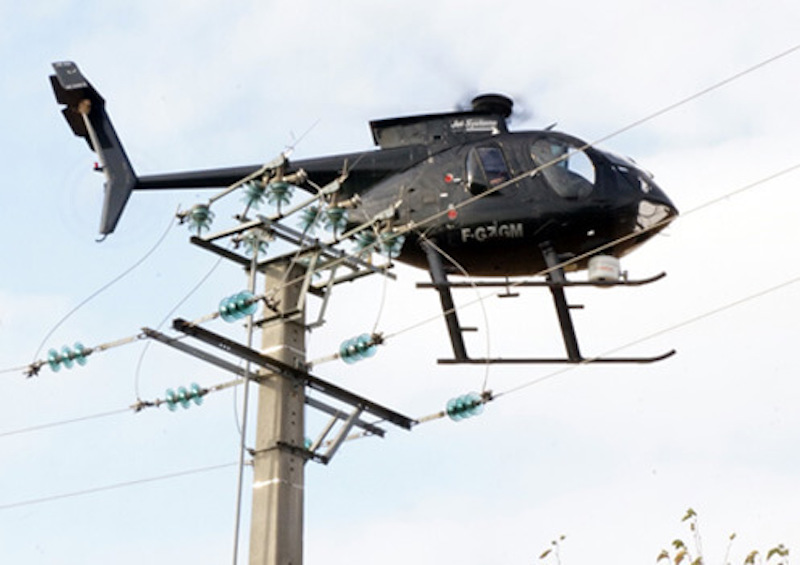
(486, 168)
(565, 167)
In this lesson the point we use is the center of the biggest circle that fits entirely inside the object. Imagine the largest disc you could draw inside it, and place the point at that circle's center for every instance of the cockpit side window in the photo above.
(570, 173)
(486, 168)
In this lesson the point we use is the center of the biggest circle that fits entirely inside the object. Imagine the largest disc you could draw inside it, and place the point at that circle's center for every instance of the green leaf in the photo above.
(678, 544)
(545, 554)
(663, 555)
(690, 513)
(751, 558)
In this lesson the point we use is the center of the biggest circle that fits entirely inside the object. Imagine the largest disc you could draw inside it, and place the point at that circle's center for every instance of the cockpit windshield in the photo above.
(567, 169)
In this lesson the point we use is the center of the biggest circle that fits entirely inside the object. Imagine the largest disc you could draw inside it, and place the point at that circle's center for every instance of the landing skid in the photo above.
(556, 281)
(555, 360)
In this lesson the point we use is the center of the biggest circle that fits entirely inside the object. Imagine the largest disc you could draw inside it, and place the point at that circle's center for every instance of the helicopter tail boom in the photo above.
(85, 112)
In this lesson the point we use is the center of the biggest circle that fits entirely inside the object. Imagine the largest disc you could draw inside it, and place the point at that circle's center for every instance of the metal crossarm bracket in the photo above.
(294, 373)
(203, 355)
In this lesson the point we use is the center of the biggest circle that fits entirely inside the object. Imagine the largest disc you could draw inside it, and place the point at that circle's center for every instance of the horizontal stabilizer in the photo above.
(85, 112)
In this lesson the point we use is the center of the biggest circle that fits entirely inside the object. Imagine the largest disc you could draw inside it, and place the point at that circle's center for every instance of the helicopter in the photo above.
(470, 197)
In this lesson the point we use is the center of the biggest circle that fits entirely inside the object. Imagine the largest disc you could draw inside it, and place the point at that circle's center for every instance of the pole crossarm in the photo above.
(293, 373)
(330, 254)
(203, 355)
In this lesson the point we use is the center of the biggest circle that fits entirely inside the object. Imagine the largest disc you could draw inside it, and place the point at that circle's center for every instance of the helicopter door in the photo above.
(486, 168)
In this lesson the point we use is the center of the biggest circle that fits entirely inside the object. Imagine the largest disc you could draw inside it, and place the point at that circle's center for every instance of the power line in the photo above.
(59, 423)
(657, 225)
(664, 110)
(420, 420)
(115, 486)
(663, 331)
(105, 287)
(166, 318)
(634, 124)
(138, 406)
(433, 217)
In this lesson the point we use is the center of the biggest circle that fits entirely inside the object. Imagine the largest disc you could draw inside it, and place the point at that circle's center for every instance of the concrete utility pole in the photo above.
(276, 531)
(280, 451)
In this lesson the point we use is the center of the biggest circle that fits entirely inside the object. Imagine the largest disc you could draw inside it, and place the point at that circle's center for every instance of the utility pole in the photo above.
(276, 530)
(285, 385)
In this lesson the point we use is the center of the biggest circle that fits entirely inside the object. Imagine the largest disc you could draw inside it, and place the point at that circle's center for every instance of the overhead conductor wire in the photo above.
(104, 288)
(439, 414)
(166, 318)
(245, 406)
(405, 229)
(664, 110)
(408, 228)
(115, 486)
(480, 299)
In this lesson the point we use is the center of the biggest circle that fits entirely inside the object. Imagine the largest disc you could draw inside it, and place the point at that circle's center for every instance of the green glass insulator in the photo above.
(368, 347)
(255, 193)
(183, 397)
(227, 310)
(171, 399)
(54, 360)
(200, 217)
(66, 357)
(475, 404)
(357, 348)
(254, 245)
(347, 352)
(196, 393)
(366, 241)
(309, 219)
(80, 354)
(454, 409)
(335, 218)
(245, 303)
(392, 244)
(464, 406)
(279, 193)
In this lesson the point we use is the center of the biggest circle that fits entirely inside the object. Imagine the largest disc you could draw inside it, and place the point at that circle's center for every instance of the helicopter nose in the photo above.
(655, 215)
(656, 210)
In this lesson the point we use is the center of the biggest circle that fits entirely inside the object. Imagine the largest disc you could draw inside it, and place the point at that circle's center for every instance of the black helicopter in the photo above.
(471, 197)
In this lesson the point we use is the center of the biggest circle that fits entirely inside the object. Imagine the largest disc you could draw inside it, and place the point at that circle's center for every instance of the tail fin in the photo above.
(85, 112)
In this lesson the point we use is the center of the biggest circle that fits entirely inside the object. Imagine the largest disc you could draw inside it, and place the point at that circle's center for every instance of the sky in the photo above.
(610, 457)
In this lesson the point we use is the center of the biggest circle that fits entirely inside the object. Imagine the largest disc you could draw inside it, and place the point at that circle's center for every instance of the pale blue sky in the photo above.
(609, 456)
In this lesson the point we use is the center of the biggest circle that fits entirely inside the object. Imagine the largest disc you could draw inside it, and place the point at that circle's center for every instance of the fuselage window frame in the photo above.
(486, 168)
(571, 173)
